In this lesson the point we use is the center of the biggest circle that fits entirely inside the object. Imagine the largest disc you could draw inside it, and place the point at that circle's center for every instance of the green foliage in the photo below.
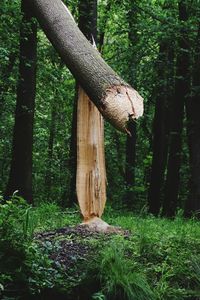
(120, 276)
(22, 264)
(166, 251)
(159, 259)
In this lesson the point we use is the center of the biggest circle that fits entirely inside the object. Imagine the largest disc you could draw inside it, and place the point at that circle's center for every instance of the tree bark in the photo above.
(193, 126)
(182, 87)
(115, 99)
(20, 177)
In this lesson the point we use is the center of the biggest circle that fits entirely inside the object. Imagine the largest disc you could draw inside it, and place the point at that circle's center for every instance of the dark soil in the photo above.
(67, 245)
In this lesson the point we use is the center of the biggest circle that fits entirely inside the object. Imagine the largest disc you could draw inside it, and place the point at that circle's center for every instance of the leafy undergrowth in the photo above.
(44, 255)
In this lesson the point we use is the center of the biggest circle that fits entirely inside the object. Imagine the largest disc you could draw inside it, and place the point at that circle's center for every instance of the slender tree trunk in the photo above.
(160, 128)
(193, 122)
(20, 177)
(116, 100)
(181, 91)
(48, 177)
(130, 165)
(131, 139)
(73, 153)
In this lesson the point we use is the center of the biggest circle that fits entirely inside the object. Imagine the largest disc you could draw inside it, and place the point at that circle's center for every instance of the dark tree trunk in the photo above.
(99, 81)
(130, 165)
(88, 19)
(193, 123)
(182, 84)
(73, 153)
(160, 127)
(20, 177)
(131, 139)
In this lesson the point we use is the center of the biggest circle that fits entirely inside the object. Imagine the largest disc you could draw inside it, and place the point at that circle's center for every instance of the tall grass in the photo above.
(120, 277)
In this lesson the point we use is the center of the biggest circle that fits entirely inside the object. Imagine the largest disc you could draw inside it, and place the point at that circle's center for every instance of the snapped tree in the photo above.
(115, 99)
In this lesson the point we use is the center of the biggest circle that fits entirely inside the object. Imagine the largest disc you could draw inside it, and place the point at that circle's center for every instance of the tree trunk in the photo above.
(193, 120)
(52, 129)
(115, 99)
(160, 127)
(73, 153)
(91, 176)
(131, 139)
(181, 91)
(20, 177)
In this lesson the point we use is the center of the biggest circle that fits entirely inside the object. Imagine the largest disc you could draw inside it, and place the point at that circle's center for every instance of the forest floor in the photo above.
(44, 254)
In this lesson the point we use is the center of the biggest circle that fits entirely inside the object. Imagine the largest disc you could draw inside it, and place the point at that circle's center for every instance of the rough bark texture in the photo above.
(182, 85)
(115, 99)
(193, 120)
(20, 177)
(91, 177)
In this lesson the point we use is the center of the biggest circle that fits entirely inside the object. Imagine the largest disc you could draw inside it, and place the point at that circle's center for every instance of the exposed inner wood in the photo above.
(125, 100)
(98, 225)
(91, 172)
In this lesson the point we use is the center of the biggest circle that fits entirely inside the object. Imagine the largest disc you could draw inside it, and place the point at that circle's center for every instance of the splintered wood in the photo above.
(91, 172)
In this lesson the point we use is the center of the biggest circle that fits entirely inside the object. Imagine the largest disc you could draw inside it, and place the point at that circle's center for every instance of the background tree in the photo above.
(132, 16)
(20, 177)
(192, 110)
(182, 87)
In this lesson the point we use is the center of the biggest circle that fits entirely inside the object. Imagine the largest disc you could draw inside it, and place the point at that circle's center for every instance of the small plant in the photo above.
(29, 223)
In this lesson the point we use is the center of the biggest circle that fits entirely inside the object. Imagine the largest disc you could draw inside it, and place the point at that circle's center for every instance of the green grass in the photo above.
(160, 259)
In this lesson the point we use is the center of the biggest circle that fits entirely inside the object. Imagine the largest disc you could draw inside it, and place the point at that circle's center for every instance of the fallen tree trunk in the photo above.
(115, 99)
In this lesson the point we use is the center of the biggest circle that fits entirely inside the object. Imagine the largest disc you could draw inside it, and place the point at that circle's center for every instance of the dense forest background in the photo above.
(152, 251)
(154, 46)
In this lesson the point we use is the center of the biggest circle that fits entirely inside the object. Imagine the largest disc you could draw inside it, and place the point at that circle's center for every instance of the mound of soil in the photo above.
(68, 245)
